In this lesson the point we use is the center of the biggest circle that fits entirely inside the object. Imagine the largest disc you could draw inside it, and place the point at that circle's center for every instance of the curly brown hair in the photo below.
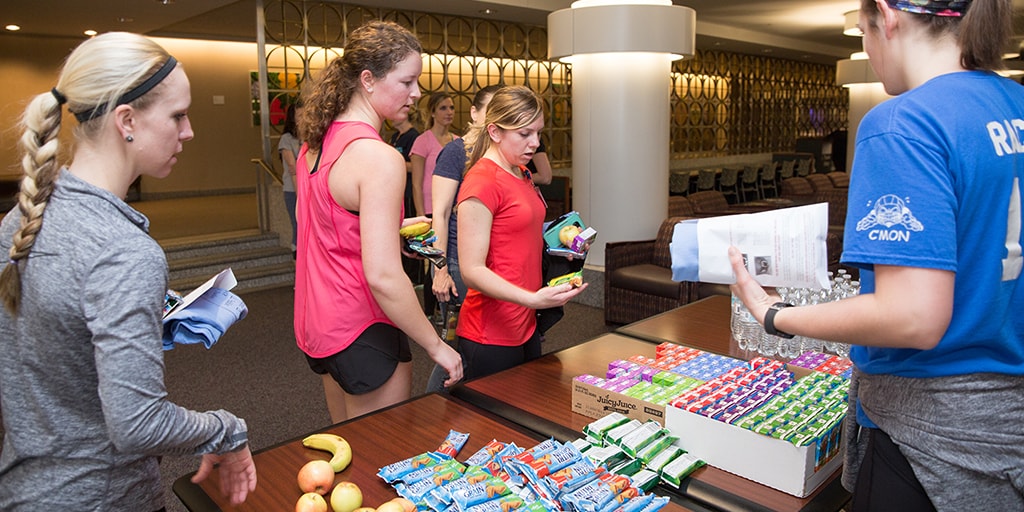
(375, 47)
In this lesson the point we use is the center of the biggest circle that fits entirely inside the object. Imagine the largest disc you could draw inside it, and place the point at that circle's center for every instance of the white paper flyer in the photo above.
(783, 247)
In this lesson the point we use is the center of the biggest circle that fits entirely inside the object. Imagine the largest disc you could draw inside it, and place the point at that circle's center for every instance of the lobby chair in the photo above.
(767, 183)
(787, 169)
(706, 179)
(819, 182)
(748, 189)
(839, 179)
(638, 278)
(804, 166)
(728, 185)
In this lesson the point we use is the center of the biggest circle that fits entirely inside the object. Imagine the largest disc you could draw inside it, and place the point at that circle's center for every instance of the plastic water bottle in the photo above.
(744, 327)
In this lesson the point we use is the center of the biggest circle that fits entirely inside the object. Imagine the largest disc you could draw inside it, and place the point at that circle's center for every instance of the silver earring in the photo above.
(129, 138)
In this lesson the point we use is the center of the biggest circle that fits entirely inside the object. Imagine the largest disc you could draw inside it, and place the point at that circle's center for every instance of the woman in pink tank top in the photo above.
(354, 306)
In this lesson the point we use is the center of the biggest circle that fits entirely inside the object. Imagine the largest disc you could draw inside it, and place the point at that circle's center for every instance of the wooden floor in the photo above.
(197, 216)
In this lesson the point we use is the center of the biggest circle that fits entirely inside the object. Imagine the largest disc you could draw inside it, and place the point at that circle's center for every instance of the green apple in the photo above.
(346, 497)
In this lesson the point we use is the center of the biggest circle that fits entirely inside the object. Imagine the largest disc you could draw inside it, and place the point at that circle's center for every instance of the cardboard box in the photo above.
(594, 402)
(773, 462)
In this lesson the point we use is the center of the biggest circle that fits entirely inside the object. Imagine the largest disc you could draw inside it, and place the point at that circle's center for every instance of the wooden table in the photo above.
(703, 324)
(377, 439)
(538, 394)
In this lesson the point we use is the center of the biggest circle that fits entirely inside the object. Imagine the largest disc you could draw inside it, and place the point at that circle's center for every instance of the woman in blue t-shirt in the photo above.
(935, 226)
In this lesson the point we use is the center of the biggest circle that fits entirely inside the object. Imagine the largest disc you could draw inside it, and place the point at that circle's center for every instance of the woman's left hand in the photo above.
(756, 298)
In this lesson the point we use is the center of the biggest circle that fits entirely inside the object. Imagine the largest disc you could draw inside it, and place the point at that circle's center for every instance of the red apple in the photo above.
(316, 476)
(346, 497)
(311, 502)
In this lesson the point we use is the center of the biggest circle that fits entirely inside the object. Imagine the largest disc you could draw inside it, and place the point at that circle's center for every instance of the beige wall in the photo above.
(215, 161)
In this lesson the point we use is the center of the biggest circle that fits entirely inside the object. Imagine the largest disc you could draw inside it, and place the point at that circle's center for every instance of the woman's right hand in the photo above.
(444, 285)
(448, 358)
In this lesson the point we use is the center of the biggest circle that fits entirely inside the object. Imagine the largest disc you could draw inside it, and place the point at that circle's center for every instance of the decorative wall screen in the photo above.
(722, 103)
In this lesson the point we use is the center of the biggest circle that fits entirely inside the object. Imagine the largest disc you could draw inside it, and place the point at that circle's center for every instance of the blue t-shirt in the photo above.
(451, 164)
(936, 183)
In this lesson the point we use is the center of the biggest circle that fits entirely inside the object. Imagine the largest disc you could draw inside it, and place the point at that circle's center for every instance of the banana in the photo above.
(340, 450)
(414, 229)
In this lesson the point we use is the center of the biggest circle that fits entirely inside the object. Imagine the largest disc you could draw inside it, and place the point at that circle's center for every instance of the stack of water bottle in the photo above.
(750, 336)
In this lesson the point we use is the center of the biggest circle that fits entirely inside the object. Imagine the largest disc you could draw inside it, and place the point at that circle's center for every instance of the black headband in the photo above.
(132, 95)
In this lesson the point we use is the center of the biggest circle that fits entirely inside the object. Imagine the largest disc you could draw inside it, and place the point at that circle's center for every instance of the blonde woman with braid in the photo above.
(81, 376)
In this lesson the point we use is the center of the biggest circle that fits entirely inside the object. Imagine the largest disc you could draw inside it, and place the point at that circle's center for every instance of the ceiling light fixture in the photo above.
(850, 27)
(90, 32)
(13, 28)
(488, 12)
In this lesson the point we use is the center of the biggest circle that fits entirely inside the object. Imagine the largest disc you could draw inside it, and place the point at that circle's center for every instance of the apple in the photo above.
(316, 476)
(407, 505)
(391, 506)
(567, 234)
(311, 502)
(365, 509)
(346, 497)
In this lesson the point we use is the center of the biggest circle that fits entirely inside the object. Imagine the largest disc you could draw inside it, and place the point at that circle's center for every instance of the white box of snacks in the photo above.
(773, 423)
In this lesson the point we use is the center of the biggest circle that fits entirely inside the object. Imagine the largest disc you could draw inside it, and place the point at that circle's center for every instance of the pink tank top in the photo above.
(333, 301)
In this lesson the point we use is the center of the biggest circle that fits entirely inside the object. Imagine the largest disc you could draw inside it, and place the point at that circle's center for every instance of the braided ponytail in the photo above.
(42, 120)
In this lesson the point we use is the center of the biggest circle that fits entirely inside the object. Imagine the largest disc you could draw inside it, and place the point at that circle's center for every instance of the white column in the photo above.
(621, 53)
(620, 137)
(863, 97)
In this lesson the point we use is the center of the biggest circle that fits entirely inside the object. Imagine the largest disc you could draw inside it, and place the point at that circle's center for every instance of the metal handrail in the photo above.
(269, 170)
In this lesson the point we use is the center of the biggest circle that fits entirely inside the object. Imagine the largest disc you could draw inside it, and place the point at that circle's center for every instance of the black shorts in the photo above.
(368, 362)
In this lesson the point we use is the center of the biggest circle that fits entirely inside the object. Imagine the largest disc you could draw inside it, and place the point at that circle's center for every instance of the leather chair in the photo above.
(797, 189)
(638, 278)
(839, 179)
(819, 182)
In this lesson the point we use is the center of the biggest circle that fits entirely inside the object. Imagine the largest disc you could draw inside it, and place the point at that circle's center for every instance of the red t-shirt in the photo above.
(514, 254)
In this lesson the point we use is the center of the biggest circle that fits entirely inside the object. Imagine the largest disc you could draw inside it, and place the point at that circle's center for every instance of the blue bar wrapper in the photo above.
(478, 493)
(394, 471)
(453, 443)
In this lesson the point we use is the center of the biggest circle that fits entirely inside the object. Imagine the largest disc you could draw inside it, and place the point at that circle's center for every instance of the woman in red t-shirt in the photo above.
(500, 223)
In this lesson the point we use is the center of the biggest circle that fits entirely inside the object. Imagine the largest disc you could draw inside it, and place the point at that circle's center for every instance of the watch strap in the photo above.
(769, 320)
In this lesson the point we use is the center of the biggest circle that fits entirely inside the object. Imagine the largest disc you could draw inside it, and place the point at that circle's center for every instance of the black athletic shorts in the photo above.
(368, 362)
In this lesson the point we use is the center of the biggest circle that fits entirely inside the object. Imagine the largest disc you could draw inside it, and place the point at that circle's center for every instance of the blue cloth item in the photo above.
(685, 252)
(205, 320)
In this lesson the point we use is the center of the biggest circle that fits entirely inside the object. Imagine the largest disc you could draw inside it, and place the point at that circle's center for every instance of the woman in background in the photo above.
(354, 307)
(936, 402)
(288, 147)
(451, 166)
(81, 377)
(500, 222)
(427, 146)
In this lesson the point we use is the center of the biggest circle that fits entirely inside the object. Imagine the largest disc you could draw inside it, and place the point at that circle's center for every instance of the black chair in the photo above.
(748, 188)
(728, 185)
(768, 181)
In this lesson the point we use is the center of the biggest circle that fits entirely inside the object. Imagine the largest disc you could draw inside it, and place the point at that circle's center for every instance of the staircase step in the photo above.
(249, 279)
(220, 243)
(257, 260)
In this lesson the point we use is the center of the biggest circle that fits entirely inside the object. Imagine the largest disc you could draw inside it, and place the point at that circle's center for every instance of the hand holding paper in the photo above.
(784, 247)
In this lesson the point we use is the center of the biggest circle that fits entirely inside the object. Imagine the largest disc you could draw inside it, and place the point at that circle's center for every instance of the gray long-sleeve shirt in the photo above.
(81, 367)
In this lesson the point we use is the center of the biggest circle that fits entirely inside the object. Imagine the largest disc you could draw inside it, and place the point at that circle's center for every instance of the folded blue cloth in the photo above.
(205, 320)
(685, 252)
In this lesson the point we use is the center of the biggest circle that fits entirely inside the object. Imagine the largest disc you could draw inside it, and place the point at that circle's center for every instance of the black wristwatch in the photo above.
(769, 320)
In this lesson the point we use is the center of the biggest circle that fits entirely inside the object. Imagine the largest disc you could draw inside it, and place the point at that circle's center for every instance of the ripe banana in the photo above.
(340, 450)
(414, 229)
